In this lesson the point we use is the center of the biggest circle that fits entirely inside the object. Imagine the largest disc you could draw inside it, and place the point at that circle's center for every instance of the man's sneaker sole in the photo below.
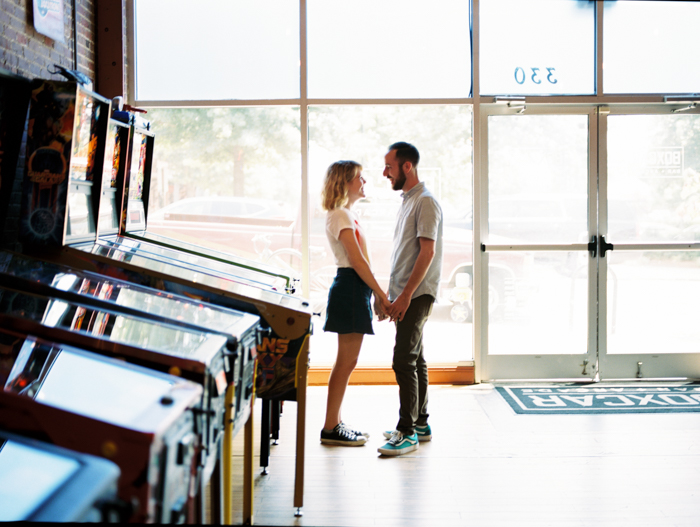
(421, 438)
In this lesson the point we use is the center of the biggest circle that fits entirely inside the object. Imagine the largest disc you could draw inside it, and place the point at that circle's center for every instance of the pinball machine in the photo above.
(77, 400)
(146, 327)
(282, 354)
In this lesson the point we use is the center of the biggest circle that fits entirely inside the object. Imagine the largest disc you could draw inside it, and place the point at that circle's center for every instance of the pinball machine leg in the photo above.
(275, 412)
(248, 467)
(302, 377)
(210, 496)
(227, 456)
(216, 510)
(265, 435)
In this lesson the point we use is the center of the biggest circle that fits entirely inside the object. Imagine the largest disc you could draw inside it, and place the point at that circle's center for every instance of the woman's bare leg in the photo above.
(349, 345)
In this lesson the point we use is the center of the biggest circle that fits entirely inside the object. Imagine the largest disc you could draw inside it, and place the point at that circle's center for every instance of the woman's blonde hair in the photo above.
(335, 187)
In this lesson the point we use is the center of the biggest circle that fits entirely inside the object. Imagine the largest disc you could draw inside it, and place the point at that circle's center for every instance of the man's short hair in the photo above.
(405, 152)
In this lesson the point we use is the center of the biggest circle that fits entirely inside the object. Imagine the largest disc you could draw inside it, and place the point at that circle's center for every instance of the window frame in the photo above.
(476, 100)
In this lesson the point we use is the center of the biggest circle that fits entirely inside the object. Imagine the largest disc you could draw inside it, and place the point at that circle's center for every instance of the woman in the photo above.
(349, 311)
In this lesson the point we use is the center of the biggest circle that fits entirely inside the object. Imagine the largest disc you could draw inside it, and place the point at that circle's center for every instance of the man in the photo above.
(416, 262)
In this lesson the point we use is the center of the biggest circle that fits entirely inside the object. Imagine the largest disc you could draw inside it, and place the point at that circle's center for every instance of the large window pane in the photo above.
(654, 178)
(229, 178)
(653, 302)
(541, 306)
(650, 47)
(537, 47)
(216, 50)
(442, 134)
(391, 48)
(538, 178)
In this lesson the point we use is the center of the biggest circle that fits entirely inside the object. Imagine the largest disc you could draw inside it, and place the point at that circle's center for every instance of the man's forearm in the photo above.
(420, 269)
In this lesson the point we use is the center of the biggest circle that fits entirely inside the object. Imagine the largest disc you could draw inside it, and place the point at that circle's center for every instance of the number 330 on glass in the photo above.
(536, 77)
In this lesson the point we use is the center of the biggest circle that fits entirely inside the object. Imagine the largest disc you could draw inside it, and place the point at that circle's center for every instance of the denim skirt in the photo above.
(349, 304)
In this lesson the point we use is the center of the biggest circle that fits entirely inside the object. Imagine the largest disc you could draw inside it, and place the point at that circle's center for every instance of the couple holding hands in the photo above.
(416, 262)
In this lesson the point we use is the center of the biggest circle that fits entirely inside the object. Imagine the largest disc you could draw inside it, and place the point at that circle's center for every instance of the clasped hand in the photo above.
(381, 306)
(394, 311)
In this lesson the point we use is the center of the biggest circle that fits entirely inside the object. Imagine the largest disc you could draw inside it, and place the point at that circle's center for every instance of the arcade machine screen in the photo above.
(26, 468)
(19, 270)
(160, 342)
(193, 261)
(55, 384)
(137, 185)
(110, 203)
(40, 481)
(83, 165)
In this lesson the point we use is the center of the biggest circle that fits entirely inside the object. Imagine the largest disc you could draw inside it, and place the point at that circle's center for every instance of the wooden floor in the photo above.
(486, 466)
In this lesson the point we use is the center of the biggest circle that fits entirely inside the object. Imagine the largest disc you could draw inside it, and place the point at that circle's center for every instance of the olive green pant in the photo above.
(410, 367)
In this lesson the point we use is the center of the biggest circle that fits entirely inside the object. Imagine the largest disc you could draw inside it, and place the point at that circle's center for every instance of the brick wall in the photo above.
(28, 53)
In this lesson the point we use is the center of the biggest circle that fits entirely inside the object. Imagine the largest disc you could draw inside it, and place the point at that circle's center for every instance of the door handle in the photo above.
(593, 246)
(605, 246)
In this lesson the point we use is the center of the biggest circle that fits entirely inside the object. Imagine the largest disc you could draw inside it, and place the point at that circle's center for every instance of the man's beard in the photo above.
(400, 181)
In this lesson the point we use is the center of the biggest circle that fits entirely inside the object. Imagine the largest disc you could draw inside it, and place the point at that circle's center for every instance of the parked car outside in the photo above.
(267, 232)
(226, 207)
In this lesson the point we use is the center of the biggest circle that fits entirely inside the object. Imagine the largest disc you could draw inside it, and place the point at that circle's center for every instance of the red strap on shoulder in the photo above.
(357, 234)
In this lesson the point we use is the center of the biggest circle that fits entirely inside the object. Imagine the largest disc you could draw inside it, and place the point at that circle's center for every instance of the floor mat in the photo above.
(601, 398)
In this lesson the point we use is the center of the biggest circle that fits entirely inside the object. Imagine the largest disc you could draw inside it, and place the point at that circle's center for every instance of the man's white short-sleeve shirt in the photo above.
(420, 216)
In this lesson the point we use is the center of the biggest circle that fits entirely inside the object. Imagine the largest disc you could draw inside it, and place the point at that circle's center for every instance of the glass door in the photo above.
(650, 214)
(592, 242)
(540, 209)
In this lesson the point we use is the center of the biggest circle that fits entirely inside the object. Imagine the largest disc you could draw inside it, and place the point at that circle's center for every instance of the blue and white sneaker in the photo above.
(424, 433)
(399, 444)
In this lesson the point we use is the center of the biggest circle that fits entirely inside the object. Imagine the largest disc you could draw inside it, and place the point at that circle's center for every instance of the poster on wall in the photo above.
(48, 18)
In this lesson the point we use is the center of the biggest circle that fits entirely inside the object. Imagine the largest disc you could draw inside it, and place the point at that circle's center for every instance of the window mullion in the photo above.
(479, 192)
(304, 122)
(599, 48)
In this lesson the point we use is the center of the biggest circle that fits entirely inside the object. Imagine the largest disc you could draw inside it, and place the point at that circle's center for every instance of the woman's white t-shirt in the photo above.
(337, 220)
